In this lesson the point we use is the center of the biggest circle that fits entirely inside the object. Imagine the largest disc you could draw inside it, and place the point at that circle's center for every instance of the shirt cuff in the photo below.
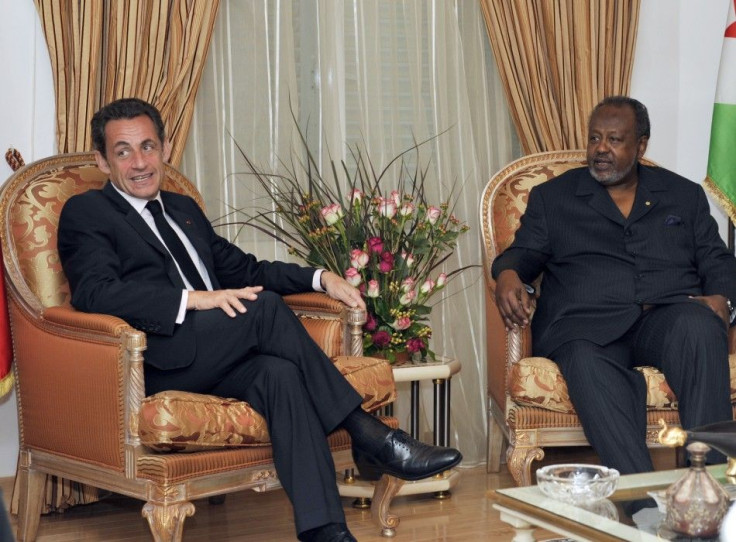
(317, 281)
(182, 307)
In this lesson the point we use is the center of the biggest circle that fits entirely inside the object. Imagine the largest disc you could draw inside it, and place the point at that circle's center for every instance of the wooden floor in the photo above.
(467, 515)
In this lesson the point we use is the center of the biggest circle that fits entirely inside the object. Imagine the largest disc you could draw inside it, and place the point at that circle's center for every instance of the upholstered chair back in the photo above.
(34, 204)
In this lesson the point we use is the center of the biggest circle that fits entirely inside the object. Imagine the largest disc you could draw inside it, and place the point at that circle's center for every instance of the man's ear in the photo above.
(102, 163)
(167, 150)
(643, 142)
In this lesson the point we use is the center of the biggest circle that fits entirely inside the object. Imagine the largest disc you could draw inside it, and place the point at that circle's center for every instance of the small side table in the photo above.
(439, 372)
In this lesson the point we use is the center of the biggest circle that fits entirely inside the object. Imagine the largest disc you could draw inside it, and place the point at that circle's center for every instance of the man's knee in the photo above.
(696, 322)
(575, 357)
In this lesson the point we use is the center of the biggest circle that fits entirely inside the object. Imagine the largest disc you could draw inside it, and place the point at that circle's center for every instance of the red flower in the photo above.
(375, 245)
(371, 323)
(387, 262)
(415, 345)
(381, 339)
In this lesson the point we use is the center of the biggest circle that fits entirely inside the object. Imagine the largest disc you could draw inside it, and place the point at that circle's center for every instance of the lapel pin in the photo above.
(647, 203)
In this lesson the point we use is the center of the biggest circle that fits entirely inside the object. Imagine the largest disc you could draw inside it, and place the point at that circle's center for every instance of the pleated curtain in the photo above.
(104, 50)
(557, 59)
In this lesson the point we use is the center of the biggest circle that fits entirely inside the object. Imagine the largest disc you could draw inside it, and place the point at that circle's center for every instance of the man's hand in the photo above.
(513, 301)
(227, 300)
(717, 304)
(338, 288)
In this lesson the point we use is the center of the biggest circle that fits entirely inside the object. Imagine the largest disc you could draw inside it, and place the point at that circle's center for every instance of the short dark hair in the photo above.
(125, 108)
(643, 127)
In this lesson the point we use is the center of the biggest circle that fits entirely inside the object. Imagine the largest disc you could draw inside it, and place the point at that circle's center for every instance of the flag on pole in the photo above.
(721, 179)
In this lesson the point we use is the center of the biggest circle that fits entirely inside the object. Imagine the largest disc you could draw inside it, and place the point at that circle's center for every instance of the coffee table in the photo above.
(526, 508)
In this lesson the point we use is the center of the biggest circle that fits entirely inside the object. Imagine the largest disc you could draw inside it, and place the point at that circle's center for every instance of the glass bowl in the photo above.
(577, 483)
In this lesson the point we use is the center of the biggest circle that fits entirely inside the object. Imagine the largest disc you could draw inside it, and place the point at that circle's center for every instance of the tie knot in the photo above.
(154, 207)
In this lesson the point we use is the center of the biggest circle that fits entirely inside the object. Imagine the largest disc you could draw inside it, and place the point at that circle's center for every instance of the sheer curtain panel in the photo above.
(376, 73)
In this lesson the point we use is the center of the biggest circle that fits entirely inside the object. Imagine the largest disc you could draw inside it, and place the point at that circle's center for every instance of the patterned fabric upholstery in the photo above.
(538, 382)
(509, 202)
(175, 421)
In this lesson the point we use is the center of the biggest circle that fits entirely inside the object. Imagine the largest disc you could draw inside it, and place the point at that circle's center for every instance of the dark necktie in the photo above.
(175, 246)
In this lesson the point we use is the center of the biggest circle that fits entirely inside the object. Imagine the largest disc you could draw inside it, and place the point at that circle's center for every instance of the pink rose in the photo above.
(358, 258)
(356, 196)
(386, 207)
(433, 214)
(332, 213)
(401, 323)
(408, 297)
(427, 287)
(441, 280)
(381, 339)
(407, 209)
(375, 245)
(373, 289)
(395, 197)
(353, 277)
(407, 284)
(408, 259)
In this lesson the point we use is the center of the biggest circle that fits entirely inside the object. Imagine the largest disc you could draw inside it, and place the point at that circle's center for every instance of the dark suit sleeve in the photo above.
(99, 259)
(715, 263)
(234, 268)
(530, 249)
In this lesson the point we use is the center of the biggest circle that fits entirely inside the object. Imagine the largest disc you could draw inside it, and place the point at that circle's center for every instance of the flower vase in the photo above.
(696, 503)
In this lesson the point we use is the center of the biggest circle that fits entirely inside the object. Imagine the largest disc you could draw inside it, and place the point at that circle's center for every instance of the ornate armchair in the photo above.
(528, 405)
(81, 406)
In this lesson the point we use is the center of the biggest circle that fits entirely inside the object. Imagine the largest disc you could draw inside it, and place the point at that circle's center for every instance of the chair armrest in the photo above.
(321, 306)
(84, 375)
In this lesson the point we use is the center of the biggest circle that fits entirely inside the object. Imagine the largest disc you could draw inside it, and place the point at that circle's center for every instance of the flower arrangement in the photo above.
(388, 243)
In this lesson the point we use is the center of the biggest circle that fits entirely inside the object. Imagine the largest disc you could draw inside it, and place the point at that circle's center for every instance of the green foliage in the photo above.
(388, 242)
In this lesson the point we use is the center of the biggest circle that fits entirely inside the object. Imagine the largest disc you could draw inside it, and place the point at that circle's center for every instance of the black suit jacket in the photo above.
(116, 265)
(600, 268)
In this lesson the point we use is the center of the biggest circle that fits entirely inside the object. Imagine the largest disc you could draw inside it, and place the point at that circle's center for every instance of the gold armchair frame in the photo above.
(526, 430)
(79, 374)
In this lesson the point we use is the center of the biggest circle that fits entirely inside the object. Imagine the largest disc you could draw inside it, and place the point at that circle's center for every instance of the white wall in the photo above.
(675, 71)
(26, 123)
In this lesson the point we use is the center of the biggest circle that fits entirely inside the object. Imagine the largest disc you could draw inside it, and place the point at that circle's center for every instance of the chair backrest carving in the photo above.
(504, 198)
(31, 203)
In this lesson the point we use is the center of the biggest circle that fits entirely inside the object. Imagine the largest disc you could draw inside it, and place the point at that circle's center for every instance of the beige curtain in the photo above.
(101, 51)
(104, 50)
(559, 58)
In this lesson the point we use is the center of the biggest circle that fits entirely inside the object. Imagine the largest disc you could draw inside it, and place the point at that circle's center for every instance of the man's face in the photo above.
(135, 156)
(613, 148)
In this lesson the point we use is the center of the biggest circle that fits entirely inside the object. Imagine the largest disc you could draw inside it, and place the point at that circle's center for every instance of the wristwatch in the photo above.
(731, 311)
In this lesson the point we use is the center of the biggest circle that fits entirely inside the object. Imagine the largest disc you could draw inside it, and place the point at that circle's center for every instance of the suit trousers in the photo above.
(266, 357)
(686, 341)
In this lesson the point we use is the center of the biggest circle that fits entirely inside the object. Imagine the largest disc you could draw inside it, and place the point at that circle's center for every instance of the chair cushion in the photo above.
(538, 382)
(176, 421)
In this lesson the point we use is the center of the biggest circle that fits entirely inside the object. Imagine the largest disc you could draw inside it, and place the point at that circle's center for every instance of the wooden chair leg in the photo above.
(519, 462)
(386, 489)
(31, 484)
(494, 449)
(166, 514)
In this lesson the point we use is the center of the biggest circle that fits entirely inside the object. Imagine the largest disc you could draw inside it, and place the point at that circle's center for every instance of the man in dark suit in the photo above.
(215, 320)
(634, 272)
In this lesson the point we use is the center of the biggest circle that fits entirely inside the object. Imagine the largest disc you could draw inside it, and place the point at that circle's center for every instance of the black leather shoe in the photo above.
(405, 457)
(332, 532)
